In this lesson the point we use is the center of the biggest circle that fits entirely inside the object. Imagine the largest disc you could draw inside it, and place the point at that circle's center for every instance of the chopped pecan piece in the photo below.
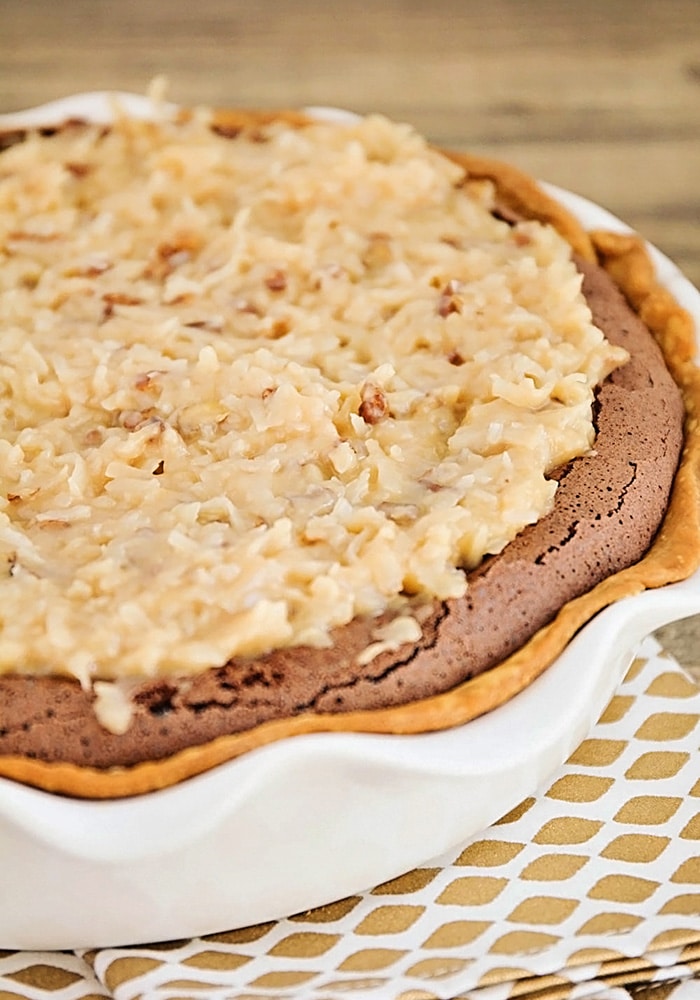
(278, 328)
(243, 305)
(450, 301)
(134, 420)
(171, 254)
(276, 280)
(90, 269)
(93, 438)
(78, 169)
(215, 324)
(147, 380)
(112, 299)
(520, 238)
(374, 406)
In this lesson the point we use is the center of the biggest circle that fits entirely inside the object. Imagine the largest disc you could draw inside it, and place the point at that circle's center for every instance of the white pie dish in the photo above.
(313, 818)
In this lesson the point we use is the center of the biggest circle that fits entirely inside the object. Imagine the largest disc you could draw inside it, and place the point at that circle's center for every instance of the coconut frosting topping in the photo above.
(256, 386)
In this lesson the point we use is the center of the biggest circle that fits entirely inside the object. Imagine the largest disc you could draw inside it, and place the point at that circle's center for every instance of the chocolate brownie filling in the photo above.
(607, 510)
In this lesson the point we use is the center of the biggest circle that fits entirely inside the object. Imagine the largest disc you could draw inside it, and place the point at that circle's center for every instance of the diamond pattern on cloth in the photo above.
(586, 891)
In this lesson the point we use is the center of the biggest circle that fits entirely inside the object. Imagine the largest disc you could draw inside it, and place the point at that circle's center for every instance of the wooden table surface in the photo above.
(601, 97)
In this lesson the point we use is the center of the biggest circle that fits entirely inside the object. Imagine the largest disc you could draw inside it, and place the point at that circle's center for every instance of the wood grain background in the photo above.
(602, 96)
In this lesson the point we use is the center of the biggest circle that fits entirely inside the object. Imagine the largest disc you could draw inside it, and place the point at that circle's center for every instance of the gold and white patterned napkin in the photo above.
(589, 889)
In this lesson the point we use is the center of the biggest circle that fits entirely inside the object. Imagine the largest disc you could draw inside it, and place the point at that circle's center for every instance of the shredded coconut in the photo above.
(391, 636)
(254, 387)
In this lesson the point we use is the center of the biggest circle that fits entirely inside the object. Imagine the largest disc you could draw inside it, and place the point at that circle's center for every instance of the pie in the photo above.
(309, 426)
